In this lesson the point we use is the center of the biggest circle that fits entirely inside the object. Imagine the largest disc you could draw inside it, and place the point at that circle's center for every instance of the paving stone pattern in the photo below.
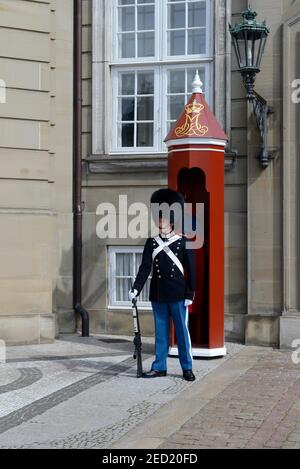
(261, 409)
(55, 399)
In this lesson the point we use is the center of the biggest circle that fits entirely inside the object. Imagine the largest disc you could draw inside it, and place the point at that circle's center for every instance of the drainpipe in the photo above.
(77, 170)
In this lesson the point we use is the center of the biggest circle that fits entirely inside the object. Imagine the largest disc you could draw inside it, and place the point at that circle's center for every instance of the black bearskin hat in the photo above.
(169, 197)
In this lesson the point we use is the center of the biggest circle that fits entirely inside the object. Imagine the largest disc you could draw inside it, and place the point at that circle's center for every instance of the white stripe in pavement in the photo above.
(188, 332)
(55, 378)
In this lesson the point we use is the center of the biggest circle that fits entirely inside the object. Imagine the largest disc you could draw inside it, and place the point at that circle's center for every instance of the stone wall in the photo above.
(36, 154)
(104, 183)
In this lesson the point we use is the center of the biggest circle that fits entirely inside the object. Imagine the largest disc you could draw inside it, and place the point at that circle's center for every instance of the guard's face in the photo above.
(165, 226)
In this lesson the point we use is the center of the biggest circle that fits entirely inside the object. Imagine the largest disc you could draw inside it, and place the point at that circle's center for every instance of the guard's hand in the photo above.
(132, 294)
(188, 303)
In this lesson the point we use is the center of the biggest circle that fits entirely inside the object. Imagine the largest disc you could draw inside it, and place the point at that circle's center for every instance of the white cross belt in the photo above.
(164, 246)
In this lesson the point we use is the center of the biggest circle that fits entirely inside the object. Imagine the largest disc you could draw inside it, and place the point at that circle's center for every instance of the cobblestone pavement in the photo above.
(83, 393)
(258, 409)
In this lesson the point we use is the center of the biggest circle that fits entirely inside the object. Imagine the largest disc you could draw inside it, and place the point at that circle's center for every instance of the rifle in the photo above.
(137, 355)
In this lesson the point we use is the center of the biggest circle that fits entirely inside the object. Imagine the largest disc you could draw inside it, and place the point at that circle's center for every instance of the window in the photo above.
(136, 28)
(135, 103)
(158, 46)
(148, 101)
(124, 264)
(186, 27)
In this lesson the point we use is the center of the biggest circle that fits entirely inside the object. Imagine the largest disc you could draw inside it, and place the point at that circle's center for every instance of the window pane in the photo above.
(123, 285)
(127, 109)
(169, 126)
(124, 264)
(176, 17)
(127, 45)
(196, 41)
(145, 44)
(126, 19)
(126, 2)
(127, 135)
(176, 81)
(126, 84)
(145, 109)
(175, 106)
(145, 83)
(177, 43)
(145, 135)
(197, 14)
(145, 18)
(191, 75)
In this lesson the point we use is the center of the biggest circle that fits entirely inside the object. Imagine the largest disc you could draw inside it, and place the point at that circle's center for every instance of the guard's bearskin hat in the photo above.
(167, 196)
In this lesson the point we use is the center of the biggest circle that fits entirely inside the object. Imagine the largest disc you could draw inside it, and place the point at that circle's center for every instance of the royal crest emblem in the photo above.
(192, 125)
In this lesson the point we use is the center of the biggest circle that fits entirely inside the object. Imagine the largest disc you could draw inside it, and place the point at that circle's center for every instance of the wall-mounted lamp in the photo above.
(249, 41)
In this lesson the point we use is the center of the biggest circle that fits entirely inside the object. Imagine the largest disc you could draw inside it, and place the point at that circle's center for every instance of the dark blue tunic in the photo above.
(167, 283)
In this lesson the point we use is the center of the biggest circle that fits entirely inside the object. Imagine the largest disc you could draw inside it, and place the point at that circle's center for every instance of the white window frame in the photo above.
(115, 42)
(112, 302)
(104, 61)
(160, 103)
(115, 93)
(159, 64)
(164, 32)
(161, 54)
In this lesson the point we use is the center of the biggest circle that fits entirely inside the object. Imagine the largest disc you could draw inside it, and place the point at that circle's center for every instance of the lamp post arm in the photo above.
(262, 112)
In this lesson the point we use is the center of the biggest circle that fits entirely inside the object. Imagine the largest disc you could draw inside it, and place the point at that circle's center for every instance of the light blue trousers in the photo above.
(162, 314)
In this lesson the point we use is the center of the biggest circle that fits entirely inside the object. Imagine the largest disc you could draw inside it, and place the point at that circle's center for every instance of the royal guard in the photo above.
(172, 286)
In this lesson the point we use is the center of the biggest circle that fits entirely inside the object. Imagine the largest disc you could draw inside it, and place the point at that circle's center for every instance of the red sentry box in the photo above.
(196, 150)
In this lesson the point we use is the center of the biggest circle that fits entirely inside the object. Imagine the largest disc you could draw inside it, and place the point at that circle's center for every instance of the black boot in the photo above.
(188, 375)
(154, 374)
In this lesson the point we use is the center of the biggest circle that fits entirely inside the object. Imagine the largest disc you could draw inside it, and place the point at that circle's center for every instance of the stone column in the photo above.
(290, 320)
(265, 194)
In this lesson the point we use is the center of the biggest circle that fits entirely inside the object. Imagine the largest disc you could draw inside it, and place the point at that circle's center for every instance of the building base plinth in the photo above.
(201, 352)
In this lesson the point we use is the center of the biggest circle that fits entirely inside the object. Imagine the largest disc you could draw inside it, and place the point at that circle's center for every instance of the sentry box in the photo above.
(196, 155)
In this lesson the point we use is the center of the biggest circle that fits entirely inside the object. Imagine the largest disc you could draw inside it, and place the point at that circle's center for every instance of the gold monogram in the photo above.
(192, 126)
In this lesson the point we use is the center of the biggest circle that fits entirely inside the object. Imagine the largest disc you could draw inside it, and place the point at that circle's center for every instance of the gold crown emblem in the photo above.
(194, 108)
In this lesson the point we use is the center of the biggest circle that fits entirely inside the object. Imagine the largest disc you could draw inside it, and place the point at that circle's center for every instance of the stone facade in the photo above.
(138, 176)
(36, 53)
(261, 206)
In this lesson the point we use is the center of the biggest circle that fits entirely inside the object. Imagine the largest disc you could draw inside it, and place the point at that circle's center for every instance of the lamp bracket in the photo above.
(262, 112)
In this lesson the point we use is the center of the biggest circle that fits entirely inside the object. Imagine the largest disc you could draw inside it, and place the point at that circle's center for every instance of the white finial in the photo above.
(197, 84)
